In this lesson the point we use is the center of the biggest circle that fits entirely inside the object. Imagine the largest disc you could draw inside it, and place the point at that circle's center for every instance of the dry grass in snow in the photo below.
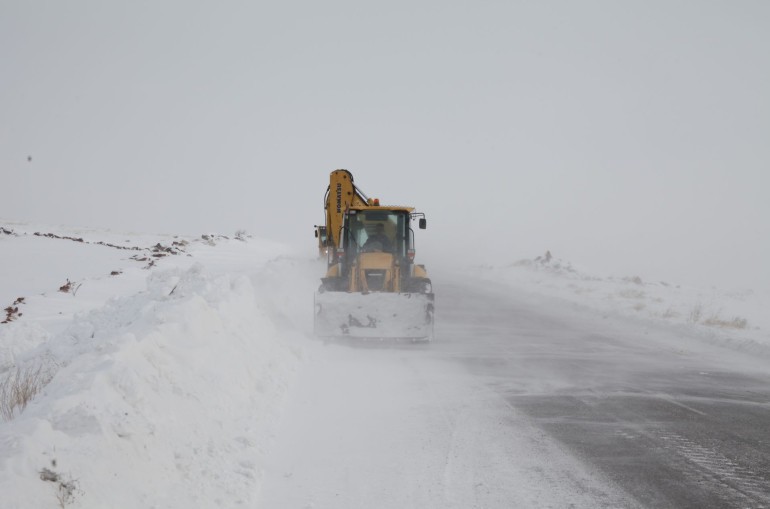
(19, 386)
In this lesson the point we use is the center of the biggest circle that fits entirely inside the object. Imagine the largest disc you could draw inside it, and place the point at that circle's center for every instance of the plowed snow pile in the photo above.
(161, 364)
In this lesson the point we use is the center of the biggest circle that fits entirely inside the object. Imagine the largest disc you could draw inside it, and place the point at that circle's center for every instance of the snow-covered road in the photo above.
(404, 427)
(525, 402)
(670, 419)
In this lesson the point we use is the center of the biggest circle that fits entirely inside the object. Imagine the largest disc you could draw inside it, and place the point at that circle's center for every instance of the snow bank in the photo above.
(162, 397)
(738, 320)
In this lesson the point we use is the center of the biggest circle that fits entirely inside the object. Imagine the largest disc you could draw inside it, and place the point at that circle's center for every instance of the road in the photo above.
(522, 401)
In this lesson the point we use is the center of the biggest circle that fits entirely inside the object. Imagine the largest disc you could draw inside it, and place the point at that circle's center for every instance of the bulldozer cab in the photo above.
(377, 230)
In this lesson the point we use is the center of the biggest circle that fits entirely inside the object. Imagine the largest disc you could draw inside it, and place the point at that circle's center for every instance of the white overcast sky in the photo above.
(631, 137)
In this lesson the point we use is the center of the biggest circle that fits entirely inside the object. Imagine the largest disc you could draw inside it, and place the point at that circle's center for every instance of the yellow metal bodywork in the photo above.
(375, 261)
(386, 310)
(341, 196)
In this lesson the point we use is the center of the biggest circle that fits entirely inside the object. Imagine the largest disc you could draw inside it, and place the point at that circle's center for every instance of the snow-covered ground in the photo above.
(161, 368)
(164, 364)
(737, 319)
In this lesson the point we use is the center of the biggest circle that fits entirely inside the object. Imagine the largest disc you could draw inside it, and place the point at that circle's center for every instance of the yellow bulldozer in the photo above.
(372, 287)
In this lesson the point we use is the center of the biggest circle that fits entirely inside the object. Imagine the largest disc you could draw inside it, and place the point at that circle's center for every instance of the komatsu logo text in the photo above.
(339, 198)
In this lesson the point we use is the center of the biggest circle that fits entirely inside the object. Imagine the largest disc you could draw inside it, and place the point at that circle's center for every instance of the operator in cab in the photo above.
(378, 241)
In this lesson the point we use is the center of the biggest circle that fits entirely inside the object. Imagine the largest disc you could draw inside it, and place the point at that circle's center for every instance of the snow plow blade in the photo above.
(374, 315)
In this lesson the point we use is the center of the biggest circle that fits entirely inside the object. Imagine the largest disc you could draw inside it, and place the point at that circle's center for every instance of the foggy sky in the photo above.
(628, 137)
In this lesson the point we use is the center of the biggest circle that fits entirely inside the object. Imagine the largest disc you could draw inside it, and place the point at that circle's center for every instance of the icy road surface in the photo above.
(523, 401)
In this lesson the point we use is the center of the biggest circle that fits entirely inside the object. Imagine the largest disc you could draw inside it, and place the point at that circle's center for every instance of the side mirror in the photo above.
(423, 223)
(316, 234)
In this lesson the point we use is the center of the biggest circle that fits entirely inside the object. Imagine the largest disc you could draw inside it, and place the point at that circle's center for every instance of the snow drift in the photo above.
(736, 319)
(161, 398)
